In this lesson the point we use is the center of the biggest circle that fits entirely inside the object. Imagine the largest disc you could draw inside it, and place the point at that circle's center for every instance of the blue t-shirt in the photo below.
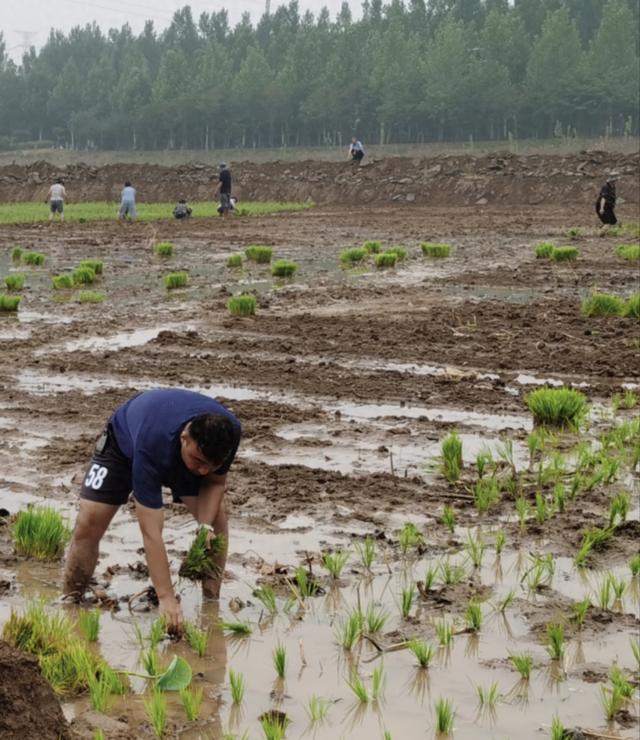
(128, 194)
(147, 429)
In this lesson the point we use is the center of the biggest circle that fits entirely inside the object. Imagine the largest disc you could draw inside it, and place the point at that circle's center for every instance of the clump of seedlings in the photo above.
(16, 253)
(580, 609)
(378, 680)
(451, 464)
(451, 574)
(283, 268)
(444, 632)
(557, 407)
(628, 251)
(429, 249)
(357, 685)
(523, 663)
(400, 252)
(156, 708)
(555, 641)
(429, 578)
(444, 716)
(9, 302)
(574, 232)
(488, 697)
(234, 260)
(259, 253)
(564, 254)
(603, 304)
(40, 532)
(540, 572)
(634, 565)
(335, 562)
(475, 550)
(305, 584)
(612, 701)
(35, 259)
(191, 701)
(618, 509)
(266, 596)
(164, 249)
(280, 660)
(632, 309)
(157, 631)
(386, 259)
(96, 265)
(197, 638)
(236, 681)
(544, 250)
(449, 518)
(409, 536)
(176, 280)
(423, 652)
(63, 282)
(558, 730)
(523, 510)
(352, 256)
(372, 247)
(502, 604)
(627, 689)
(407, 598)
(99, 691)
(635, 649)
(198, 563)
(499, 541)
(486, 492)
(375, 619)
(84, 276)
(89, 623)
(15, 281)
(274, 725)
(349, 630)
(592, 539)
(366, 552)
(91, 296)
(237, 628)
(242, 305)
(317, 708)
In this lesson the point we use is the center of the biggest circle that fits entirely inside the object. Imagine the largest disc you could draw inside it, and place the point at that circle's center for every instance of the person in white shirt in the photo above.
(127, 202)
(55, 197)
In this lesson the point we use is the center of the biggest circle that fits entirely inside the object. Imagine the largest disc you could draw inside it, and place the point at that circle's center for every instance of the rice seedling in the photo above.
(352, 256)
(451, 574)
(540, 572)
(580, 609)
(430, 576)
(499, 541)
(604, 594)
(634, 565)
(618, 586)
(400, 252)
(541, 509)
(191, 701)
(629, 399)
(306, 585)
(503, 604)
(488, 697)
(35, 259)
(618, 509)
(266, 596)
(635, 649)
(237, 628)
(555, 641)
(164, 249)
(99, 691)
(198, 563)
(451, 464)
(628, 251)
(96, 265)
(406, 601)
(84, 276)
(574, 232)
(280, 659)
(564, 254)
(236, 681)
(558, 730)
(157, 631)
(16, 254)
(444, 632)
(283, 268)
(372, 247)
(557, 407)
(378, 681)
(612, 701)
(632, 308)
(15, 281)
(356, 684)
(89, 622)
(242, 305)
(619, 680)
(90, 296)
(375, 619)
(176, 280)
(151, 662)
(197, 638)
(522, 507)
(409, 536)
(9, 302)
(273, 726)
(449, 518)
(63, 282)
(37, 631)
(367, 552)
(40, 532)
(559, 497)
(335, 562)
(430, 249)
(317, 708)
(259, 254)
(444, 716)
(473, 615)
(156, 708)
(523, 663)
(423, 652)
(544, 250)
(98, 735)
(592, 538)
(603, 304)
(486, 492)
(475, 550)
(386, 259)
(234, 260)
(349, 630)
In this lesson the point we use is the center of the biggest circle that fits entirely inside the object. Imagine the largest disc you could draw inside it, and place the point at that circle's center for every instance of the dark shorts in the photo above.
(358, 155)
(108, 476)
(607, 216)
(56, 206)
(225, 203)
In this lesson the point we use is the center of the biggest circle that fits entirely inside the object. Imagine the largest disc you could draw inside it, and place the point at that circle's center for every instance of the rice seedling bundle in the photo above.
(176, 280)
(423, 652)
(409, 536)
(386, 259)
(523, 664)
(280, 660)
(40, 532)
(91, 296)
(335, 562)
(544, 250)
(555, 641)
(574, 232)
(486, 492)
(258, 253)
(164, 249)
(628, 251)
(372, 247)
(558, 730)
(34, 259)
(488, 697)
(430, 249)
(9, 302)
(191, 701)
(351, 256)
(15, 281)
(242, 305)
(234, 260)
(237, 628)
(557, 407)
(367, 552)
(267, 598)
(156, 707)
(632, 308)
(16, 253)
(63, 282)
(198, 564)
(317, 708)
(95, 265)
(444, 716)
(89, 623)
(400, 252)
(283, 268)
(603, 304)
(84, 276)
(197, 638)
(236, 681)
(449, 518)
(451, 457)
(564, 254)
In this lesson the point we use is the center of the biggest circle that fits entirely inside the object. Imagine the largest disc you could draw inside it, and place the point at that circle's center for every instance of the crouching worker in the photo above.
(127, 202)
(164, 437)
(182, 210)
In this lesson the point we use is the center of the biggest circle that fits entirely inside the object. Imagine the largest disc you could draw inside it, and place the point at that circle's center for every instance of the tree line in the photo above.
(420, 71)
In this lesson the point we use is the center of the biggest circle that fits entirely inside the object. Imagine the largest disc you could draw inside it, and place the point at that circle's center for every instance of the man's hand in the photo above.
(171, 610)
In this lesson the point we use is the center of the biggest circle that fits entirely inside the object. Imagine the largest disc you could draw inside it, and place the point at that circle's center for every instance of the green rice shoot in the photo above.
(15, 281)
(544, 250)
(603, 304)
(444, 632)
(164, 249)
(353, 256)
(176, 280)
(407, 597)
(236, 682)
(259, 253)
(283, 268)
(451, 464)
(9, 302)
(449, 518)
(523, 663)
(488, 697)
(237, 628)
(349, 630)
(386, 259)
(191, 702)
(366, 552)
(156, 708)
(632, 309)
(557, 407)
(89, 623)
(357, 685)
(444, 716)
(197, 638)
(35, 259)
(65, 281)
(96, 265)
(280, 660)
(555, 641)
(628, 251)
(423, 652)
(198, 564)
(317, 708)
(335, 562)
(436, 251)
(91, 296)
(400, 253)
(84, 276)
(372, 247)
(16, 253)
(40, 532)
(266, 596)
(99, 691)
(473, 616)
(564, 254)
(234, 260)
(242, 305)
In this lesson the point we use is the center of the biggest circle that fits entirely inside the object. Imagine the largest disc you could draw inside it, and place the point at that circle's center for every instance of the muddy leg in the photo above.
(92, 522)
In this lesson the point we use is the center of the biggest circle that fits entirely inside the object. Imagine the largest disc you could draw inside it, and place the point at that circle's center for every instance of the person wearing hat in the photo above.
(223, 190)
(606, 203)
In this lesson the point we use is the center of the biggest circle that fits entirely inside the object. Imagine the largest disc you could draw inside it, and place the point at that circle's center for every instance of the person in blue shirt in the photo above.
(127, 202)
(169, 437)
(356, 150)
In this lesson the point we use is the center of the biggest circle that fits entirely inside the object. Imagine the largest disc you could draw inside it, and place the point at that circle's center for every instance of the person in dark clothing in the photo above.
(169, 437)
(182, 210)
(606, 203)
(223, 191)
(356, 150)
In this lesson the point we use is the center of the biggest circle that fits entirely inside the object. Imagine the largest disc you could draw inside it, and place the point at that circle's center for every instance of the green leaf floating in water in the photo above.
(176, 677)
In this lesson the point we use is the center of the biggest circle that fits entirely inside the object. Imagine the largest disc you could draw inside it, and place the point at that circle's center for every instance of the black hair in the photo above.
(215, 435)
(127, 184)
(59, 181)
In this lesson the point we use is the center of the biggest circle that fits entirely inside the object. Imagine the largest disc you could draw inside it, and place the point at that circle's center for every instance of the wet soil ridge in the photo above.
(30, 708)
(502, 178)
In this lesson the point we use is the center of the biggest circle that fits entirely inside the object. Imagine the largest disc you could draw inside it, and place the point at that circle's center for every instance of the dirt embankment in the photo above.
(502, 179)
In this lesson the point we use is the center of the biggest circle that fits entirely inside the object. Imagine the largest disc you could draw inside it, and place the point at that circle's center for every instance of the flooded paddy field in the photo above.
(346, 382)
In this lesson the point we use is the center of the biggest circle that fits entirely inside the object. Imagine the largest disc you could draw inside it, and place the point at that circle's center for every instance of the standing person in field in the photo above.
(356, 150)
(55, 198)
(165, 437)
(223, 190)
(127, 202)
(606, 203)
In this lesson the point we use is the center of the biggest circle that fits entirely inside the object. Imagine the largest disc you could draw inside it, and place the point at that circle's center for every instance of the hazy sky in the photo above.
(38, 16)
